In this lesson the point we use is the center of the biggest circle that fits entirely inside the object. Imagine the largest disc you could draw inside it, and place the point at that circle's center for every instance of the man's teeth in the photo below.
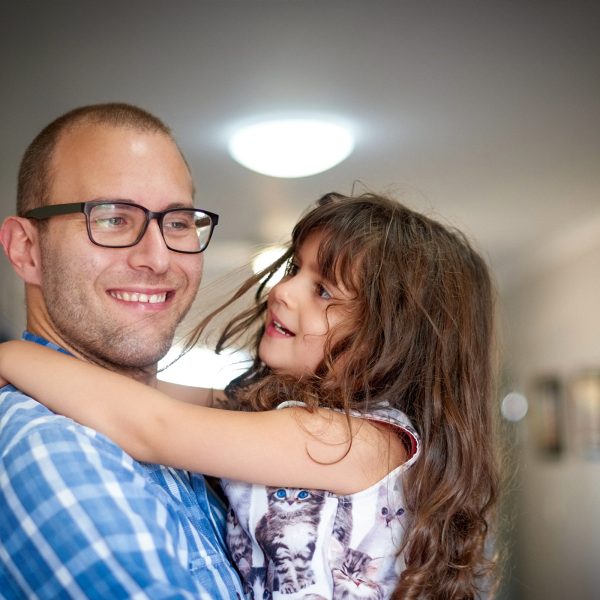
(136, 297)
(281, 329)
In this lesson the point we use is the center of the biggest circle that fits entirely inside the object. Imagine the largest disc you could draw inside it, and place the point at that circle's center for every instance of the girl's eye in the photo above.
(323, 293)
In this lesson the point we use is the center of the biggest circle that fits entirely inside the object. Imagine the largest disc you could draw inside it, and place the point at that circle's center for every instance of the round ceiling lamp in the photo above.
(291, 147)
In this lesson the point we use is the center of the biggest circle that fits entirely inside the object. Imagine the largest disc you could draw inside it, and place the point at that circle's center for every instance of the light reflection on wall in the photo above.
(201, 367)
(514, 407)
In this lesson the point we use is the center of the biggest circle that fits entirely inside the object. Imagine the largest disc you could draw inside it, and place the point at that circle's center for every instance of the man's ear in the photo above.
(20, 240)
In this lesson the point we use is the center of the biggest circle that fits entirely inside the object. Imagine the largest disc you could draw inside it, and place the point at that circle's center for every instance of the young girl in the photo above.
(359, 462)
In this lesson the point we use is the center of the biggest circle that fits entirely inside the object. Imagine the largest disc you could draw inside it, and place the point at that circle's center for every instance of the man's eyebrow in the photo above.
(180, 205)
(129, 201)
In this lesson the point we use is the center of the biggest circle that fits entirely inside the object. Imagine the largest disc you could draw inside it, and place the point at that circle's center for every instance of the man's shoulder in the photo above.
(18, 410)
(31, 434)
(22, 417)
(107, 505)
(45, 455)
(24, 422)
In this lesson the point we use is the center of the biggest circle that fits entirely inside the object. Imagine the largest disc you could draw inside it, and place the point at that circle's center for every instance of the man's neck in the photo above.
(145, 375)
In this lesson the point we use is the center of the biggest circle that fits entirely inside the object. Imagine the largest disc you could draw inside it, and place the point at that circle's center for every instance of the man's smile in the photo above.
(147, 297)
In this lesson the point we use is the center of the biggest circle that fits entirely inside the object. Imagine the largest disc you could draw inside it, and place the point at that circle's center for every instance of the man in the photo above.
(107, 281)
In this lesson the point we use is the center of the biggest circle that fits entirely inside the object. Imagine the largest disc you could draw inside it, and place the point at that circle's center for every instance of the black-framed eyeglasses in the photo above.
(121, 224)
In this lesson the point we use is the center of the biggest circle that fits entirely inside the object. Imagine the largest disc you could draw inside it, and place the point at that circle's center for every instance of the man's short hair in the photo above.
(33, 186)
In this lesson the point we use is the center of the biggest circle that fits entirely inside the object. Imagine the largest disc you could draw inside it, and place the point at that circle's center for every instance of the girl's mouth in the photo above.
(277, 326)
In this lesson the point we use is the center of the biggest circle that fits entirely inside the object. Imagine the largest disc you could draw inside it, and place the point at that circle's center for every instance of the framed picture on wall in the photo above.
(548, 416)
(585, 401)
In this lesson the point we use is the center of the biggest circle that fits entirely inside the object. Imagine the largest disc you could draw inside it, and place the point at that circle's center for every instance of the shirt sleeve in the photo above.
(79, 519)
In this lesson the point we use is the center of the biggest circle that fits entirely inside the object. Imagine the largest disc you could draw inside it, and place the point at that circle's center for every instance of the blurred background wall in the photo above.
(551, 324)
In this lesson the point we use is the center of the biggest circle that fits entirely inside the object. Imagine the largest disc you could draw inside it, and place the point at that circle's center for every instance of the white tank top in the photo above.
(293, 543)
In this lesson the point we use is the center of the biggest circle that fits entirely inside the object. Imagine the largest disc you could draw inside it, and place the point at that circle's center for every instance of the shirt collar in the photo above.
(32, 337)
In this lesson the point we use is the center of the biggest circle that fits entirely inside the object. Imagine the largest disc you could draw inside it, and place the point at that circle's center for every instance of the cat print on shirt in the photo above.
(238, 540)
(342, 529)
(256, 586)
(287, 533)
(354, 577)
(239, 544)
(388, 524)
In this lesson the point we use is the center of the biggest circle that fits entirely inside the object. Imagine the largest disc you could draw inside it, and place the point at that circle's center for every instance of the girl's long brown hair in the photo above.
(421, 339)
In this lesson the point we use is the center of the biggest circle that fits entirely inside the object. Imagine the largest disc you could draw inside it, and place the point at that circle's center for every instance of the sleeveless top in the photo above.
(291, 543)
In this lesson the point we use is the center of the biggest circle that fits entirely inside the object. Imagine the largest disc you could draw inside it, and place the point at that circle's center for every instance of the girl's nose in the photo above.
(283, 291)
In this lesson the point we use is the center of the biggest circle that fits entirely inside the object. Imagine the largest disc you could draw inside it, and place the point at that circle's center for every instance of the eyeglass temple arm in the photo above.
(55, 209)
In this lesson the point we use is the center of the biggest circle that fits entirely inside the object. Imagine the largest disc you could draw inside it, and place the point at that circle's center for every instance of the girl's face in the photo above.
(301, 310)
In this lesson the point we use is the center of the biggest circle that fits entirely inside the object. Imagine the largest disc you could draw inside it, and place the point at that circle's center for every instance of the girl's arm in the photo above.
(288, 448)
(194, 395)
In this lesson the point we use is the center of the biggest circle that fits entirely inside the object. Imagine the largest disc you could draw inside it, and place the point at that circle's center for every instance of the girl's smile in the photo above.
(275, 328)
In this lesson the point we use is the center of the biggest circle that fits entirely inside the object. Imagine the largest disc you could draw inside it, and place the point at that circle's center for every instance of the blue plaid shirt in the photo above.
(79, 518)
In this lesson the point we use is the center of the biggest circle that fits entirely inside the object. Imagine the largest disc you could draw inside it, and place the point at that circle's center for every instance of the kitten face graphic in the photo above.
(255, 585)
(354, 578)
(386, 532)
(287, 501)
(389, 513)
(287, 533)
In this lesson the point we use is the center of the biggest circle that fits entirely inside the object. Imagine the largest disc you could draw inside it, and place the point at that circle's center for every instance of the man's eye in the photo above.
(110, 222)
(178, 225)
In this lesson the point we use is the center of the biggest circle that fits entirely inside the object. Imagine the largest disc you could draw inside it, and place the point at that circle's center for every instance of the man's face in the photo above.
(98, 299)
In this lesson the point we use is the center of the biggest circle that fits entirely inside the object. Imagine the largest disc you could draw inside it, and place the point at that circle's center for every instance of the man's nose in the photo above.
(151, 251)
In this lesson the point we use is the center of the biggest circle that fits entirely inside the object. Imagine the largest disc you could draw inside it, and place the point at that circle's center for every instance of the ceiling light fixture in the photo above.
(291, 147)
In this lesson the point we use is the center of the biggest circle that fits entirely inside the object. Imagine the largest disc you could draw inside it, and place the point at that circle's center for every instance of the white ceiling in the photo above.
(484, 113)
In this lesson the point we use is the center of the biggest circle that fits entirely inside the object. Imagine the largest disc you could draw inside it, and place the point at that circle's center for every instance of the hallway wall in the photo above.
(552, 327)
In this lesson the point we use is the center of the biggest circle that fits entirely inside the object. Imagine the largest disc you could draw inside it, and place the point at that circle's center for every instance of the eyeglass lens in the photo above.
(114, 225)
